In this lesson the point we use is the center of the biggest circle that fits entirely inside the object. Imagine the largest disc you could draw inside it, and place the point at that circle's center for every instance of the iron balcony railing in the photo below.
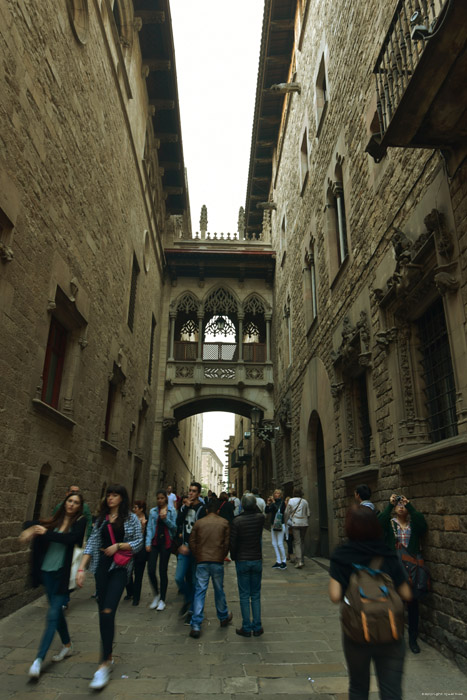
(413, 22)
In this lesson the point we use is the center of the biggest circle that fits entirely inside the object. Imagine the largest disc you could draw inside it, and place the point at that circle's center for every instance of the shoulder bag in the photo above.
(121, 557)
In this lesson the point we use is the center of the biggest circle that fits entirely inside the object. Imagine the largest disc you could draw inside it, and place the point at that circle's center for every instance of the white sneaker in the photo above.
(63, 653)
(155, 602)
(160, 605)
(35, 669)
(101, 678)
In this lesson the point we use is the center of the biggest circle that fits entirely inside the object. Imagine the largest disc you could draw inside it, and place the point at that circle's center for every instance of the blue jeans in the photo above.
(204, 572)
(185, 576)
(249, 590)
(55, 618)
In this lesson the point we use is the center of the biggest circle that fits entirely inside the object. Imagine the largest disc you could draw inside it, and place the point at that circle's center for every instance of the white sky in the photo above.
(217, 44)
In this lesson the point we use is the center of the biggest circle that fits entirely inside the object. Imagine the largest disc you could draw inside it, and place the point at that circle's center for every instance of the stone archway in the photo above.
(317, 414)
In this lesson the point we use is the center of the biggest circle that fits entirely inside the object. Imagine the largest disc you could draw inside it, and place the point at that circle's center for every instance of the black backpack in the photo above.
(372, 611)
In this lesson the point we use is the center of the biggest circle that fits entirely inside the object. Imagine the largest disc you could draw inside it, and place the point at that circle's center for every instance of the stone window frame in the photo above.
(304, 158)
(78, 14)
(133, 292)
(116, 392)
(152, 345)
(352, 361)
(283, 225)
(10, 201)
(336, 213)
(322, 91)
(427, 268)
(310, 284)
(64, 309)
(288, 329)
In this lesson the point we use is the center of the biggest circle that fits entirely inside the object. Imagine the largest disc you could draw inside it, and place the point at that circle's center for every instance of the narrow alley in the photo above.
(298, 656)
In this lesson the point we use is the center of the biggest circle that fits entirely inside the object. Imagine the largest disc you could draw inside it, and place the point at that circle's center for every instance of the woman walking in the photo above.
(297, 513)
(135, 583)
(365, 543)
(276, 506)
(53, 542)
(162, 526)
(403, 527)
(116, 537)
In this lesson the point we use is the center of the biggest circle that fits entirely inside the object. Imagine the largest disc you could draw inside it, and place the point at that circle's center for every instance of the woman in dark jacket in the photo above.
(52, 553)
(403, 527)
(365, 543)
(226, 507)
(276, 505)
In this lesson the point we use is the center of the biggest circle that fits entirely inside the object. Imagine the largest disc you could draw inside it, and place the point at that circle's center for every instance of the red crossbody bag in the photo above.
(121, 557)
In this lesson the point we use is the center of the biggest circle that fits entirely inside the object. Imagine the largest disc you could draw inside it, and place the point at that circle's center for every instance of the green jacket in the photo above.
(417, 523)
(87, 515)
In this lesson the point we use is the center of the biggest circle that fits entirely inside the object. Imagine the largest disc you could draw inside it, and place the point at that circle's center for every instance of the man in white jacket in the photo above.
(296, 515)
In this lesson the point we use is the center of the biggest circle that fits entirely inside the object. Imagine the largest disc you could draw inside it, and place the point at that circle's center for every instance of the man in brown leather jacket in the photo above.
(209, 544)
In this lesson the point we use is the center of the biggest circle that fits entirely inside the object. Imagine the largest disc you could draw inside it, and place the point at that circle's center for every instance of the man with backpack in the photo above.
(369, 582)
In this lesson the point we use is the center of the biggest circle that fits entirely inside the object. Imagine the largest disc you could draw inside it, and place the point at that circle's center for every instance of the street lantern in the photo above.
(241, 451)
(255, 415)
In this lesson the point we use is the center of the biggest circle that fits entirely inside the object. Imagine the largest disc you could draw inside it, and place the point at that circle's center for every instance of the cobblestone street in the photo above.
(298, 656)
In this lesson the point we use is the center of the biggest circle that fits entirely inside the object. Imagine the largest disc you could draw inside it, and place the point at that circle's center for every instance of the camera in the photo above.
(399, 500)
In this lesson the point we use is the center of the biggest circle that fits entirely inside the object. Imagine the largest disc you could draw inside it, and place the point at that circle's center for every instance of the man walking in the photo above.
(362, 495)
(209, 544)
(188, 515)
(236, 502)
(171, 497)
(245, 549)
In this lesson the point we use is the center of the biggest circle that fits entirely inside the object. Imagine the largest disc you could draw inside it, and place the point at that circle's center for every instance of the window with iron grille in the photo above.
(151, 349)
(53, 363)
(133, 286)
(440, 390)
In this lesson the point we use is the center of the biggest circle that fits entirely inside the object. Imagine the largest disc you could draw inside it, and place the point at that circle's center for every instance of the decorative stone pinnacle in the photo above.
(203, 221)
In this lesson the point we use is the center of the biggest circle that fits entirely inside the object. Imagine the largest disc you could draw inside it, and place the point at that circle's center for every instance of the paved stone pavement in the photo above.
(299, 656)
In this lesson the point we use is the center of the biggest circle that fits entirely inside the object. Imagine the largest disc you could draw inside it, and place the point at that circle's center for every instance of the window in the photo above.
(288, 330)
(54, 361)
(151, 349)
(304, 161)
(283, 234)
(133, 287)
(363, 417)
(310, 286)
(321, 95)
(113, 409)
(41, 491)
(440, 390)
(337, 223)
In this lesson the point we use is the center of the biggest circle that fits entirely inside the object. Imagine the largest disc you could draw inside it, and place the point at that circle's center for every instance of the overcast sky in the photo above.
(217, 44)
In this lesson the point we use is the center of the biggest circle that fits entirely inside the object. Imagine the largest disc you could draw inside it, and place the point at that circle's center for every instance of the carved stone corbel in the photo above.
(445, 281)
(6, 253)
(435, 223)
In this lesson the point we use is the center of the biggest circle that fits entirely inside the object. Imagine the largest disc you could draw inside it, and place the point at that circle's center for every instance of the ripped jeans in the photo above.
(109, 588)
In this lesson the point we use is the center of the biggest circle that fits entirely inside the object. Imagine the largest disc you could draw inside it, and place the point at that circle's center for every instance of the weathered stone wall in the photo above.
(71, 149)
(398, 192)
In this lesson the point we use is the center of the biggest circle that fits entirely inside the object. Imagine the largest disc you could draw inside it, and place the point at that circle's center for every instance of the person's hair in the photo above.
(297, 492)
(210, 492)
(248, 501)
(233, 493)
(255, 490)
(57, 519)
(164, 493)
(197, 484)
(213, 505)
(123, 508)
(278, 491)
(363, 491)
(140, 504)
(223, 496)
(362, 524)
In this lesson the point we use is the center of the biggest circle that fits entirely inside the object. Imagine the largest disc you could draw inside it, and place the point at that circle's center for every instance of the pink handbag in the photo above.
(121, 557)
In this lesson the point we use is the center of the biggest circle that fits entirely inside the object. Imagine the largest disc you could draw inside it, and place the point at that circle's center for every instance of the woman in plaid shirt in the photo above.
(111, 578)
(403, 527)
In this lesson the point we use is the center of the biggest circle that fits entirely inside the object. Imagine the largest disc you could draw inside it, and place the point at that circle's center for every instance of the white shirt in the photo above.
(172, 499)
(261, 503)
(297, 512)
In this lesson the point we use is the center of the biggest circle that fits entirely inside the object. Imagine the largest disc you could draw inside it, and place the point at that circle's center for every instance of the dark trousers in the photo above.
(109, 587)
(389, 665)
(163, 555)
(412, 615)
(135, 583)
(55, 618)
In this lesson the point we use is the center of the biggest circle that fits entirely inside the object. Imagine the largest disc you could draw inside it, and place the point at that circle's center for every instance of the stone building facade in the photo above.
(212, 471)
(91, 172)
(368, 223)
